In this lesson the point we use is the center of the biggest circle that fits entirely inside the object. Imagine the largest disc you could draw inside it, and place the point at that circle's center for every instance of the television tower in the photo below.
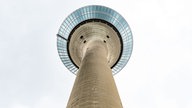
(95, 43)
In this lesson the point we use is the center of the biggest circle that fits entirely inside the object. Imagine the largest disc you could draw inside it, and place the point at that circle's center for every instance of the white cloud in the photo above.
(18, 105)
(48, 102)
(158, 74)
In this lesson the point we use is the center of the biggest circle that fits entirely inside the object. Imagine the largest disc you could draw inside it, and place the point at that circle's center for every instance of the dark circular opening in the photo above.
(81, 37)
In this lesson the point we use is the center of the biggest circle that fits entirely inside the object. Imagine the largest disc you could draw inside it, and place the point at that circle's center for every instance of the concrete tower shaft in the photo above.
(94, 86)
(94, 42)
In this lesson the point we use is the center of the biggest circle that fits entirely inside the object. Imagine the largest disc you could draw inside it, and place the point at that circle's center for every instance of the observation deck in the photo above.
(94, 22)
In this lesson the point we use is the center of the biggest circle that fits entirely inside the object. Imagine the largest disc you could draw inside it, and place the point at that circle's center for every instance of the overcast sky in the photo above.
(158, 74)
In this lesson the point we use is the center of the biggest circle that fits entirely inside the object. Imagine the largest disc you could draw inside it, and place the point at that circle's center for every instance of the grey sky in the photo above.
(158, 75)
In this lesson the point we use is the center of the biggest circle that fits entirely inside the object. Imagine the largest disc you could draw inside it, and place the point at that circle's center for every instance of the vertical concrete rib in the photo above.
(94, 86)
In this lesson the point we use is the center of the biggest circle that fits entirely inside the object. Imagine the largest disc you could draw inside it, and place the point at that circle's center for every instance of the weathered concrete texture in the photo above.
(94, 86)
